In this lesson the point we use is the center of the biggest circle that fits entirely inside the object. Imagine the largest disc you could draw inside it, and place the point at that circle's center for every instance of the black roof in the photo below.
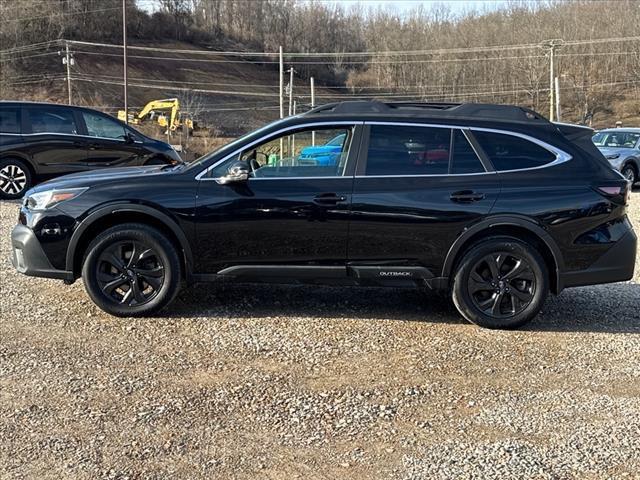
(476, 111)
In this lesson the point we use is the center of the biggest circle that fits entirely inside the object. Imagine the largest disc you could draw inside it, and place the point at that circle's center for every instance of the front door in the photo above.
(415, 190)
(291, 217)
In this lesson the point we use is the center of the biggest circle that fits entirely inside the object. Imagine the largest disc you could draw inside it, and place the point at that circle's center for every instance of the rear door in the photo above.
(108, 143)
(416, 188)
(53, 141)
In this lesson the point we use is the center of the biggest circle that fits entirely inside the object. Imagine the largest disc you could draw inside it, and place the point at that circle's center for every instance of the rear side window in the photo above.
(52, 120)
(102, 126)
(464, 159)
(10, 120)
(508, 152)
(403, 150)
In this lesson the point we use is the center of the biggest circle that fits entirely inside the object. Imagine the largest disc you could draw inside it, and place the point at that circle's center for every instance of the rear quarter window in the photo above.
(9, 119)
(508, 152)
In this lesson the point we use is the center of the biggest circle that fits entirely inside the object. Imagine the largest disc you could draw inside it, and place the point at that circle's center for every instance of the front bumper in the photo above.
(616, 265)
(28, 257)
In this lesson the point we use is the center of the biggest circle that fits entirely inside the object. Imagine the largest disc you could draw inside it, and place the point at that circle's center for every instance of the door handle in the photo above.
(328, 199)
(466, 196)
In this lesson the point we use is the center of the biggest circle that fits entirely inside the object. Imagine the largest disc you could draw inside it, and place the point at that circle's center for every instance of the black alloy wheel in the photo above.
(130, 272)
(501, 284)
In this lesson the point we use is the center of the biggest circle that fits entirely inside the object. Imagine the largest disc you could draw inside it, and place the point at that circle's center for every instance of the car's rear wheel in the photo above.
(15, 178)
(131, 270)
(501, 282)
(630, 173)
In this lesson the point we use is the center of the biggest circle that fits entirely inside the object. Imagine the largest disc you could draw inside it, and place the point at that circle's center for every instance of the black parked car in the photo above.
(494, 204)
(43, 140)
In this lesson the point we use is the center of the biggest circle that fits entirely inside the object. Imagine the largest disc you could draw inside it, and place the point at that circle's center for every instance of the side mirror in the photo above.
(237, 172)
(129, 138)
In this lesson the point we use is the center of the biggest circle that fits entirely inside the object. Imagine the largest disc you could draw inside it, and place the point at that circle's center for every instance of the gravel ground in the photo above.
(278, 382)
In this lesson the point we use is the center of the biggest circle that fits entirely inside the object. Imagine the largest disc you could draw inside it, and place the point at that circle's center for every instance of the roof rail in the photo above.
(468, 110)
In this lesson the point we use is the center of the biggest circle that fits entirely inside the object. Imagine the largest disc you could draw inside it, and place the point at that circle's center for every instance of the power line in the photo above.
(438, 51)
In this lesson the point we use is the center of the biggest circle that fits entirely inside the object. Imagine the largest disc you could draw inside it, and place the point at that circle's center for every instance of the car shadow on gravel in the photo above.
(613, 308)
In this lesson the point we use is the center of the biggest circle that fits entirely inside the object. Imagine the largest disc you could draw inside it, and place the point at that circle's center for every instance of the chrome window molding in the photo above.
(273, 135)
(67, 135)
(561, 156)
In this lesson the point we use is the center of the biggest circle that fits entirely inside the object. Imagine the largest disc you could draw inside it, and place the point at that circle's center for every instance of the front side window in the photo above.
(9, 120)
(52, 120)
(508, 152)
(407, 150)
(102, 126)
(305, 153)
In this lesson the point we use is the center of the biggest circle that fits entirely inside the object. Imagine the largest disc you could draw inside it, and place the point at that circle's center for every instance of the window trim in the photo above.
(561, 156)
(273, 135)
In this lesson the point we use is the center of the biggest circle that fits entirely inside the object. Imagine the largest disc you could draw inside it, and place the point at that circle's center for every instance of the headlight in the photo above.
(49, 198)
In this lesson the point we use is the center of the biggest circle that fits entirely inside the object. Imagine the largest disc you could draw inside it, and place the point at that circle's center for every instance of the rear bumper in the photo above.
(616, 265)
(28, 258)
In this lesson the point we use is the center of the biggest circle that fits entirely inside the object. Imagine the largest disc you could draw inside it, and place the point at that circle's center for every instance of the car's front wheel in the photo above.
(131, 270)
(501, 282)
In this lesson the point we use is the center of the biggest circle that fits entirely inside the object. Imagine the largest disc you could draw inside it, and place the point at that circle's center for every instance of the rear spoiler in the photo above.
(572, 132)
(580, 136)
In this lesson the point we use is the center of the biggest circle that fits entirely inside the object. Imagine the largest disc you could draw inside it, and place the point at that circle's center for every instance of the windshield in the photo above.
(229, 147)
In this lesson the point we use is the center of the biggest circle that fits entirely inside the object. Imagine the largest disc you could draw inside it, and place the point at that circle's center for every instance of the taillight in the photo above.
(611, 191)
(619, 193)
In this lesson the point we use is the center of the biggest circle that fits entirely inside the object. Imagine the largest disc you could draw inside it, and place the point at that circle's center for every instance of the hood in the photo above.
(94, 177)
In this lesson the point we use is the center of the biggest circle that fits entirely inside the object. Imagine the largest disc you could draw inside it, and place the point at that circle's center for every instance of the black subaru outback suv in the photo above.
(492, 203)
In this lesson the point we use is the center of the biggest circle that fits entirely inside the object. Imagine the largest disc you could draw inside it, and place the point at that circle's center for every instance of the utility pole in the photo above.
(313, 104)
(68, 60)
(124, 56)
(281, 97)
(281, 84)
(293, 137)
(551, 46)
(291, 70)
(558, 108)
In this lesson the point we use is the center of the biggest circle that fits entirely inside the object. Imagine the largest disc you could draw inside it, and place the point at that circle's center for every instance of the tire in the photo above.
(629, 172)
(15, 178)
(489, 275)
(131, 270)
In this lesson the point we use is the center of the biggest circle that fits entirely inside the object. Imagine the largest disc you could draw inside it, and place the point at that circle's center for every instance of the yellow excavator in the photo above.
(171, 122)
